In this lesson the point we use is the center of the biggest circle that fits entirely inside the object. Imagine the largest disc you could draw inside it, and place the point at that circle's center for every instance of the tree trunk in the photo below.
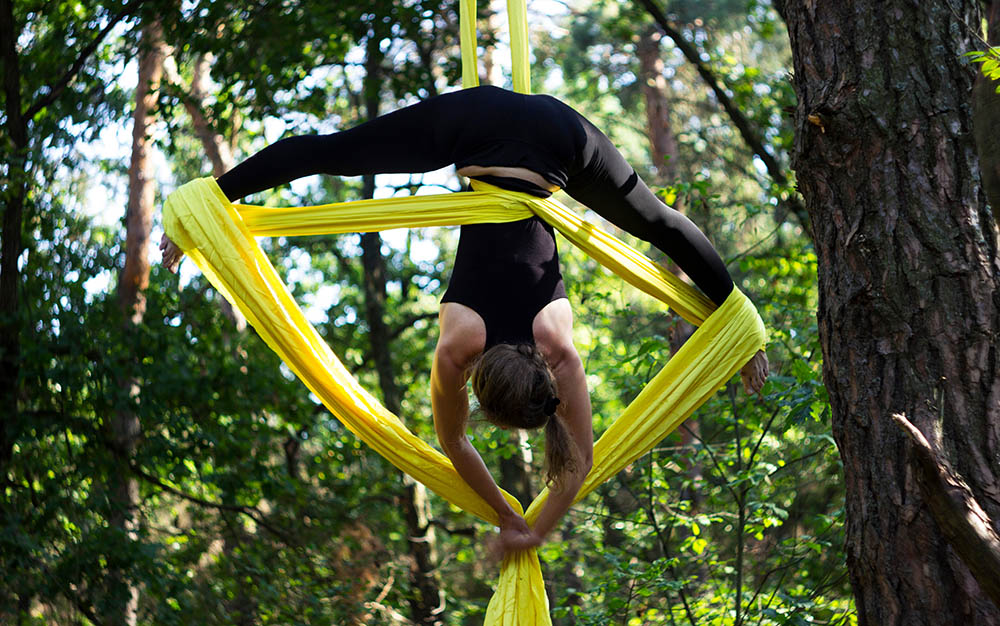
(662, 142)
(426, 606)
(11, 245)
(665, 152)
(515, 470)
(909, 286)
(124, 424)
(986, 120)
(216, 147)
(427, 602)
(134, 277)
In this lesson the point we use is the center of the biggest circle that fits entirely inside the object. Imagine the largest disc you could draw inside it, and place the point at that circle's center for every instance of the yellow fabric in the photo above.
(219, 238)
(517, 17)
(467, 39)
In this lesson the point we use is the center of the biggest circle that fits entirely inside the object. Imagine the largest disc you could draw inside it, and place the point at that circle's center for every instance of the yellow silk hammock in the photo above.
(219, 238)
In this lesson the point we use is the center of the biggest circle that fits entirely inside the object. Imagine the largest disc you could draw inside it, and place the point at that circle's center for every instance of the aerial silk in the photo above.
(219, 236)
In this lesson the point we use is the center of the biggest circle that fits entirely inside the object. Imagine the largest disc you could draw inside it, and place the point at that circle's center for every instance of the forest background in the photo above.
(161, 466)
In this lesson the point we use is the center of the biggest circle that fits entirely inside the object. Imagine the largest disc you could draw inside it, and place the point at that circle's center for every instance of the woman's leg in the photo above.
(417, 138)
(611, 187)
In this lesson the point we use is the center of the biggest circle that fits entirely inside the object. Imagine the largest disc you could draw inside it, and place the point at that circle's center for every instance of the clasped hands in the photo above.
(515, 535)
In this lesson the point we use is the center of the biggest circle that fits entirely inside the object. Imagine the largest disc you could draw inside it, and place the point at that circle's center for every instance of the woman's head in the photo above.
(516, 389)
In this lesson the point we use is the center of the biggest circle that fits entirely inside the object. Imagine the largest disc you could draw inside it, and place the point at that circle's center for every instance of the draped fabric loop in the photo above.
(219, 237)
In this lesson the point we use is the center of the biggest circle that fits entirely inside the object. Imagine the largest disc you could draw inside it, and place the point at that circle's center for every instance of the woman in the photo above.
(505, 320)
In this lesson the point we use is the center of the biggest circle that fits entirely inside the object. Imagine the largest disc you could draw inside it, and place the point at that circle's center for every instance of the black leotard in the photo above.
(506, 272)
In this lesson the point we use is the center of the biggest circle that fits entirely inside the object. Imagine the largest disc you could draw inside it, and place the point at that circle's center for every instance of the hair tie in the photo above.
(550, 405)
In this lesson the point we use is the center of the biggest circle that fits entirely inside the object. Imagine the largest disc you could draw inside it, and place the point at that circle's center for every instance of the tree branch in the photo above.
(193, 98)
(252, 512)
(57, 88)
(410, 321)
(741, 122)
(468, 531)
(963, 522)
(394, 333)
(12, 76)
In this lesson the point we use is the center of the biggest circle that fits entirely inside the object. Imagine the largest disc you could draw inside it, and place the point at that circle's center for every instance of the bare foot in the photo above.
(172, 255)
(755, 372)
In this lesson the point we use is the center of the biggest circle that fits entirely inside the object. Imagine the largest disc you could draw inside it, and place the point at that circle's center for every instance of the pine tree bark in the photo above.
(909, 285)
(124, 425)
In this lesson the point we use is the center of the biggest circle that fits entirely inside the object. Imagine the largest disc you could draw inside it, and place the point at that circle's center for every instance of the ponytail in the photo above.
(562, 455)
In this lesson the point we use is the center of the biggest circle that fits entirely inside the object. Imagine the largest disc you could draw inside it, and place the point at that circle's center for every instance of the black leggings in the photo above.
(487, 126)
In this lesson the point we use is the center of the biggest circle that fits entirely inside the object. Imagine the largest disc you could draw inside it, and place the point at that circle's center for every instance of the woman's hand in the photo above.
(515, 535)
(514, 540)
(172, 254)
(755, 372)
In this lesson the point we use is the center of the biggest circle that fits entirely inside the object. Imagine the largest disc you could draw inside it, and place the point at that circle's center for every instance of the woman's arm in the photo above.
(553, 331)
(576, 417)
(462, 337)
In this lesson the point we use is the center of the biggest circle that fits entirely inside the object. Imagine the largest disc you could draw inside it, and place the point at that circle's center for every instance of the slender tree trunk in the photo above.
(909, 286)
(427, 603)
(426, 606)
(11, 245)
(986, 120)
(665, 152)
(216, 147)
(662, 141)
(134, 278)
(515, 470)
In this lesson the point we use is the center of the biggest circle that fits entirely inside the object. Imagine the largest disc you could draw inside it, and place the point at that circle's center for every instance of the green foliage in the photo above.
(989, 61)
(738, 517)
(254, 501)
